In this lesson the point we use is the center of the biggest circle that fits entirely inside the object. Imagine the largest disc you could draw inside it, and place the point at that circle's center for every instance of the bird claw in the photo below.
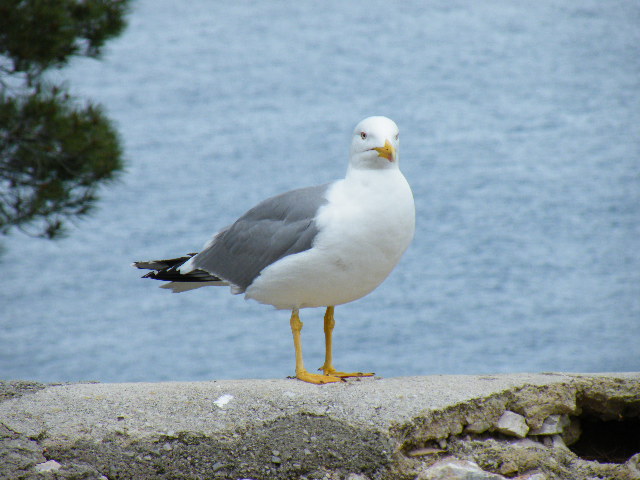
(330, 371)
(318, 379)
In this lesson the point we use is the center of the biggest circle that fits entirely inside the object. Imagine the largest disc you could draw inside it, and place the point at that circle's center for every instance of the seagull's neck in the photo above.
(357, 175)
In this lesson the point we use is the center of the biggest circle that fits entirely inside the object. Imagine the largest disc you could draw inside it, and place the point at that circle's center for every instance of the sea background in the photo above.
(520, 133)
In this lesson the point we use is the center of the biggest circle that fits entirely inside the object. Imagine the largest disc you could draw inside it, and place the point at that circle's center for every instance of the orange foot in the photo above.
(317, 379)
(331, 371)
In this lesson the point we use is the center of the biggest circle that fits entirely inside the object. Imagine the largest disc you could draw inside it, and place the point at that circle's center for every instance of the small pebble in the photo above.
(479, 426)
(513, 424)
(49, 466)
(419, 452)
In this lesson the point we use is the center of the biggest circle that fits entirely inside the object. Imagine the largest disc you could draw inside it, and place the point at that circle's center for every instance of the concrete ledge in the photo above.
(492, 426)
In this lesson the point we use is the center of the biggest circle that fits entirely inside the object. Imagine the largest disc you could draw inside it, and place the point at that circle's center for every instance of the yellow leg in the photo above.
(301, 372)
(328, 368)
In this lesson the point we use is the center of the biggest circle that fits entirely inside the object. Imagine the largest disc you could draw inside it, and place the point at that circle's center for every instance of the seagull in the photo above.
(317, 246)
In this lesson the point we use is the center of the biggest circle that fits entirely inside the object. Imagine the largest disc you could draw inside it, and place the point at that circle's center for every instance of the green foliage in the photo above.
(54, 152)
(53, 156)
(39, 34)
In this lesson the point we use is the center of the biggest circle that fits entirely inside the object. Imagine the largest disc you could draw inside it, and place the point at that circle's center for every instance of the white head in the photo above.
(374, 144)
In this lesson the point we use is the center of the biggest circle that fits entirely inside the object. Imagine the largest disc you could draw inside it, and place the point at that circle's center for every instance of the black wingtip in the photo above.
(168, 270)
(162, 264)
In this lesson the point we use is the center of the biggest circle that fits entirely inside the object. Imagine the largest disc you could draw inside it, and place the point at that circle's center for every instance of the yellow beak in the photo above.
(387, 151)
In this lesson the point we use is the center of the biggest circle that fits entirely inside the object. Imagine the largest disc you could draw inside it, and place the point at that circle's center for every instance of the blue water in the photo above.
(520, 137)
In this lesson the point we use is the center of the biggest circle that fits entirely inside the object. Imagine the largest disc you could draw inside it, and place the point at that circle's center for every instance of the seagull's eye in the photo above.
(397, 136)
(363, 135)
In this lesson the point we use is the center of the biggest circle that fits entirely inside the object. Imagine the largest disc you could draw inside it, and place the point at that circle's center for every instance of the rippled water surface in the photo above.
(520, 138)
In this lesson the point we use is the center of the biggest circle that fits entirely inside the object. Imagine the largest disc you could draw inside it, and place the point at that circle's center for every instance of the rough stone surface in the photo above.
(18, 388)
(369, 429)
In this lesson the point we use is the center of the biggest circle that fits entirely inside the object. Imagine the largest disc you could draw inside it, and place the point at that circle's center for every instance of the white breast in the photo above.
(364, 229)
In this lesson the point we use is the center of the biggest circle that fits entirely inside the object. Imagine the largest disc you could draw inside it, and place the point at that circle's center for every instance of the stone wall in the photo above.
(524, 426)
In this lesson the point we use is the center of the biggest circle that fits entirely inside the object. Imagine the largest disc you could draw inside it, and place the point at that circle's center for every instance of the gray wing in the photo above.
(279, 226)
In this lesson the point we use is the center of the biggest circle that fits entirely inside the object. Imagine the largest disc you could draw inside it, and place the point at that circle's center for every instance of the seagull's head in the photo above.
(375, 143)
